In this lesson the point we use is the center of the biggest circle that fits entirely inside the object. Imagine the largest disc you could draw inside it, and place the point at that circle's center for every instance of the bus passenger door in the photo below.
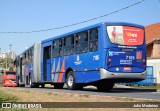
(47, 64)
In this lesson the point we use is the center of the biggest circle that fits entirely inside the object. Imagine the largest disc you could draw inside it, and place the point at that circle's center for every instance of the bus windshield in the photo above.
(125, 35)
(11, 73)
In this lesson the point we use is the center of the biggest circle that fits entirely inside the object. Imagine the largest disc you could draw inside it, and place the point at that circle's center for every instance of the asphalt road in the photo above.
(117, 91)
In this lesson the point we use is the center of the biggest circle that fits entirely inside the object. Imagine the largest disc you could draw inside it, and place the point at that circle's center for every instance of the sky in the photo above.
(34, 15)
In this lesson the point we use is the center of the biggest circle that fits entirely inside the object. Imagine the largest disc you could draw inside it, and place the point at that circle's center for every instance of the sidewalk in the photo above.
(122, 86)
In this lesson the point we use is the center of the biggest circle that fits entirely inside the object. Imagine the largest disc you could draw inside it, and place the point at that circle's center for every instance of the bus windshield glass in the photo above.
(125, 35)
(11, 73)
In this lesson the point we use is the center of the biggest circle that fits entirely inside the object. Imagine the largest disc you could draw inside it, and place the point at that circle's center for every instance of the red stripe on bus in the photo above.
(61, 71)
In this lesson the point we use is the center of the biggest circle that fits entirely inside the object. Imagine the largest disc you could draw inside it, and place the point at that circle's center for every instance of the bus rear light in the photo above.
(97, 68)
(108, 64)
(142, 74)
(109, 59)
(144, 65)
(143, 60)
(112, 74)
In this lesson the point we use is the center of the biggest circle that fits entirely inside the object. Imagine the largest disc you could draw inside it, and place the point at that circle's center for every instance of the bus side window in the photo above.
(72, 44)
(64, 47)
(57, 48)
(93, 43)
(27, 56)
(68, 45)
(23, 59)
(30, 55)
(82, 42)
(60, 47)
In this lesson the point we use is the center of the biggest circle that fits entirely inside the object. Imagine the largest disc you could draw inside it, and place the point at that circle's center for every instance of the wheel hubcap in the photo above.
(70, 80)
(30, 82)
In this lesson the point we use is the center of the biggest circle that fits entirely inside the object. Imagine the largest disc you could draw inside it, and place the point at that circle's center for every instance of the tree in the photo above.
(7, 62)
(11, 68)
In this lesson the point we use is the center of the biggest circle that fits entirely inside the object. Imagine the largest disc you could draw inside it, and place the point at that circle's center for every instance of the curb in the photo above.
(158, 90)
(148, 90)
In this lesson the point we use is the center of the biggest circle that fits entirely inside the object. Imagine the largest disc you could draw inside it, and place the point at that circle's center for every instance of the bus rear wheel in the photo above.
(103, 86)
(32, 85)
(71, 81)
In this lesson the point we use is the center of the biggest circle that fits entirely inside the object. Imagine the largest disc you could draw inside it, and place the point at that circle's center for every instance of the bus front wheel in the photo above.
(30, 83)
(71, 81)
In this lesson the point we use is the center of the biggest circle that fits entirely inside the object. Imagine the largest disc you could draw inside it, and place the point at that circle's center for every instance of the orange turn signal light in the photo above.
(109, 59)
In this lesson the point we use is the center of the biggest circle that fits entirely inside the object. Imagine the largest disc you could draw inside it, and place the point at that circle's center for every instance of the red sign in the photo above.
(139, 55)
(127, 68)
(133, 35)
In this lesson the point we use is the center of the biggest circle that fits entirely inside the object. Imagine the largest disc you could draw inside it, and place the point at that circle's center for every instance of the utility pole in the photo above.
(0, 54)
(6, 59)
(10, 53)
(10, 45)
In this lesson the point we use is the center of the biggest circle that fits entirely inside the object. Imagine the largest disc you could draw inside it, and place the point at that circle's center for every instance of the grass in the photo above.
(148, 87)
(22, 95)
(85, 95)
(7, 97)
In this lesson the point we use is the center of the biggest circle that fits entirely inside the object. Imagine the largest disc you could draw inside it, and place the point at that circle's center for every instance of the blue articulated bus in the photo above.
(98, 55)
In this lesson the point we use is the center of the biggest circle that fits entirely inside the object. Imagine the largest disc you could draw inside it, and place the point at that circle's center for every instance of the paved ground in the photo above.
(117, 91)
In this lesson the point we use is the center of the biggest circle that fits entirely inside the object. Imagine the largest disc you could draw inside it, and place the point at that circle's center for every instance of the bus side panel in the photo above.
(83, 75)
(58, 70)
(87, 76)
(36, 63)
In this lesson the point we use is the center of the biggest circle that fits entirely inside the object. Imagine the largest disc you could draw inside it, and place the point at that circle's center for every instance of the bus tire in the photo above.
(36, 85)
(71, 81)
(58, 85)
(20, 85)
(105, 86)
(30, 83)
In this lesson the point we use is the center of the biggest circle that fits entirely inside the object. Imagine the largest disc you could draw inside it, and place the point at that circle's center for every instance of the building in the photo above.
(8, 54)
(12, 55)
(153, 40)
(153, 49)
